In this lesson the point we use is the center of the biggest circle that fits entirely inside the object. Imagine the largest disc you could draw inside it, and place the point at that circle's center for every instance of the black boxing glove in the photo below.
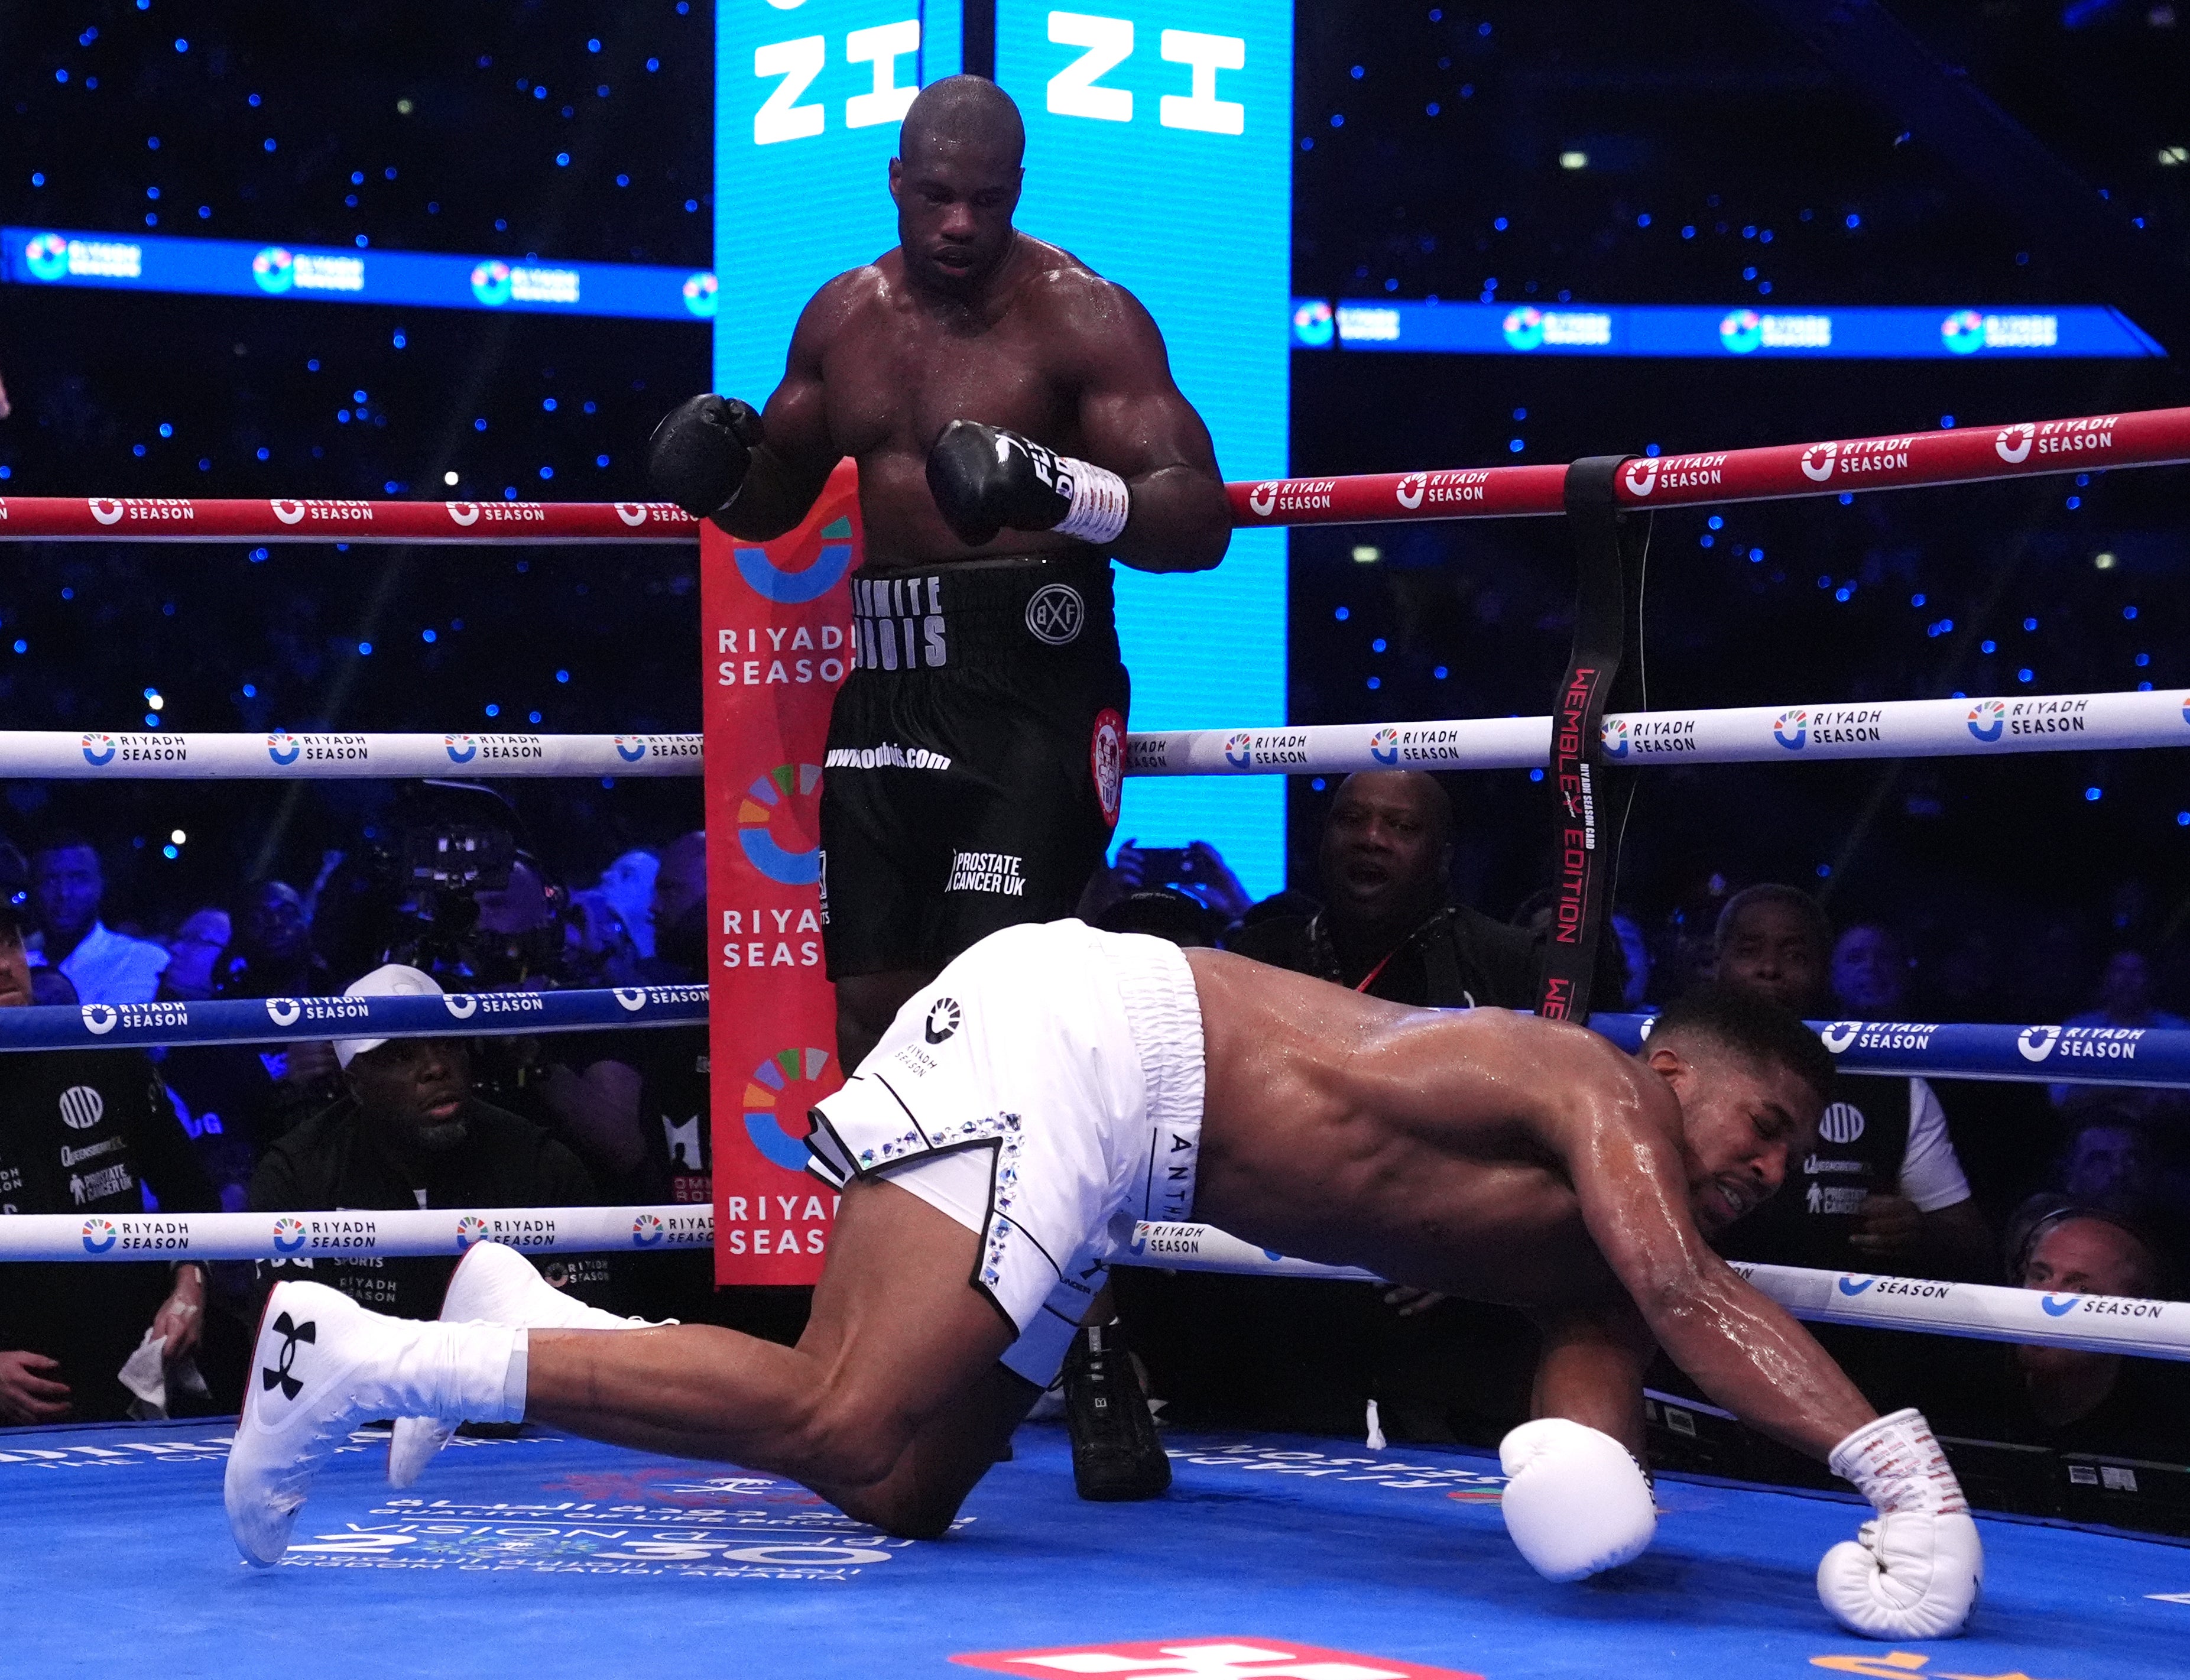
(984, 479)
(698, 455)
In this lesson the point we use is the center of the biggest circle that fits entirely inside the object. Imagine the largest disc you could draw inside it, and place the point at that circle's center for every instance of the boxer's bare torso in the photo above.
(1505, 1159)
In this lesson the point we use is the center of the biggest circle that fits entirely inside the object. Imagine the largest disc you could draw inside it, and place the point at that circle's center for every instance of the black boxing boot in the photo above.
(1116, 1451)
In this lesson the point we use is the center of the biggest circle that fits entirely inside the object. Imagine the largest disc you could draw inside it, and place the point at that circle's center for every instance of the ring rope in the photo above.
(290, 1020)
(178, 755)
(2098, 1323)
(2155, 437)
(1963, 727)
(2134, 1056)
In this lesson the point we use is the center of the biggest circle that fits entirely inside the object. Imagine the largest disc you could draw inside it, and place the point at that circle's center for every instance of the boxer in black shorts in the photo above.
(1016, 425)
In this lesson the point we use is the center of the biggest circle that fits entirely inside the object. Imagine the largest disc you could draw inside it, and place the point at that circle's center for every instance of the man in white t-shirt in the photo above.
(105, 967)
(1883, 1191)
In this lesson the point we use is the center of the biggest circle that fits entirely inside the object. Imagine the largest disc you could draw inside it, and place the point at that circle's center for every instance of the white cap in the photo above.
(393, 979)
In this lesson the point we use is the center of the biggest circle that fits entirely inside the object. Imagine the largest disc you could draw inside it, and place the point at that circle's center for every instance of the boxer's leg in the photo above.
(888, 1406)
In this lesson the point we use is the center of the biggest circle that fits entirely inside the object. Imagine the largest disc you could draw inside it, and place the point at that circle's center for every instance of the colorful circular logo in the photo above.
(1523, 328)
(1986, 719)
(631, 748)
(645, 1231)
(767, 799)
(808, 577)
(699, 294)
(275, 269)
(1106, 762)
(98, 1235)
(1741, 331)
(46, 255)
(1613, 733)
(282, 750)
(1791, 730)
(461, 748)
(288, 1234)
(470, 1229)
(98, 749)
(491, 284)
(1238, 750)
(1963, 332)
(1384, 746)
(1313, 324)
(768, 1096)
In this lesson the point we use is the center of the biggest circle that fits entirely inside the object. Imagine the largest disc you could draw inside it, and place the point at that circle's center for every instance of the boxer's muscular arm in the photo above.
(1614, 1127)
(1590, 1371)
(1134, 421)
(789, 468)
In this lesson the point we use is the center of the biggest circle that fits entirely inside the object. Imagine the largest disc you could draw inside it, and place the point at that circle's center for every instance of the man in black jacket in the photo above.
(1388, 926)
(87, 1133)
(408, 1133)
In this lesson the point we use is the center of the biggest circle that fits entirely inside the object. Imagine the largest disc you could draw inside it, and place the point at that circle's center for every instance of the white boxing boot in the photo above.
(322, 1363)
(493, 1284)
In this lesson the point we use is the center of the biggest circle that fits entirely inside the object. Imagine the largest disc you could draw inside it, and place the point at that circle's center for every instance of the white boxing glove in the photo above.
(1915, 1573)
(1577, 1502)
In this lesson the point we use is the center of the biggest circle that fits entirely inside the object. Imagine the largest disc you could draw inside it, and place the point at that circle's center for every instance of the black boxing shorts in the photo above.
(972, 777)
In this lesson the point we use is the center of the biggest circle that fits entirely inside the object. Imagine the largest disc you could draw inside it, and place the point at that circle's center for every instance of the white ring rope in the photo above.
(1892, 729)
(2095, 1323)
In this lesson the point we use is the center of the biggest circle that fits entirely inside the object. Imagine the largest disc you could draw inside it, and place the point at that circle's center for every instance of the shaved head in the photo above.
(968, 112)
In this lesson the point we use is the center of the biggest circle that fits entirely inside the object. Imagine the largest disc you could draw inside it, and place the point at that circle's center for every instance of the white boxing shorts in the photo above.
(1047, 1083)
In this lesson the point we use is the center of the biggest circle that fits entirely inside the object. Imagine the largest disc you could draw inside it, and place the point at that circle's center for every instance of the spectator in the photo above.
(1882, 1190)
(2077, 1401)
(2124, 1000)
(2111, 1160)
(236, 1099)
(91, 1133)
(1195, 871)
(628, 884)
(103, 966)
(1635, 953)
(199, 939)
(679, 912)
(1388, 926)
(409, 1132)
(1871, 969)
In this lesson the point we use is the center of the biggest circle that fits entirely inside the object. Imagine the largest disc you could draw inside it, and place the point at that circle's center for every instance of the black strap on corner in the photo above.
(1604, 671)
(978, 34)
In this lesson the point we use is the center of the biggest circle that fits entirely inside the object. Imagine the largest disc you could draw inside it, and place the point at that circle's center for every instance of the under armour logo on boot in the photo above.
(277, 1375)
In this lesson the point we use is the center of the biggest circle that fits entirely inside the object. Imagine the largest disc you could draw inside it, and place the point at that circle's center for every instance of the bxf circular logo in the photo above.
(288, 1234)
(99, 1235)
(1055, 615)
(470, 1229)
(1106, 763)
(769, 1095)
(769, 801)
(1842, 1124)
(1741, 331)
(1384, 746)
(1791, 730)
(1987, 719)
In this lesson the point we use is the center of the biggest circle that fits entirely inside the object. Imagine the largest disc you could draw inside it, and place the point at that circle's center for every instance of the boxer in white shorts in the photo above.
(1049, 1081)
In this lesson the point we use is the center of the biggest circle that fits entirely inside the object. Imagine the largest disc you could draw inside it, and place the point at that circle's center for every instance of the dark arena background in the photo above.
(1519, 236)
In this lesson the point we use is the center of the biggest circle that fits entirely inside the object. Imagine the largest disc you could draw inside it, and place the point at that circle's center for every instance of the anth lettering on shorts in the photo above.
(899, 623)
